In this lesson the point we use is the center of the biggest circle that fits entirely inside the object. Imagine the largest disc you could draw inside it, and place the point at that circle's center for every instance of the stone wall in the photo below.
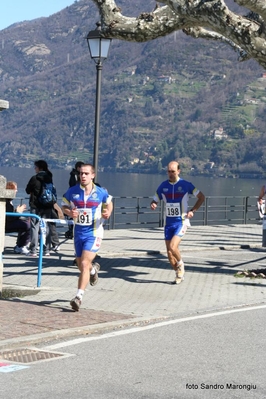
(4, 105)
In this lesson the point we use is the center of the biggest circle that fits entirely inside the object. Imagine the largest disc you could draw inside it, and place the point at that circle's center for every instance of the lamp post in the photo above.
(3, 195)
(99, 48)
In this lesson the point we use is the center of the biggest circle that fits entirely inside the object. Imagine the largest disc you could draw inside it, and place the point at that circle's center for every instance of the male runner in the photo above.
(88, 205)
(175, 194)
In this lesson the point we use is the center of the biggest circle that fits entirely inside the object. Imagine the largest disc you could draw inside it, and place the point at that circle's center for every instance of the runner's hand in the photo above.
(106, 213)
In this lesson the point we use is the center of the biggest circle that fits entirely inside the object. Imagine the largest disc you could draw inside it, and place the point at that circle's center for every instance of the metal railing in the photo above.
(134, 212)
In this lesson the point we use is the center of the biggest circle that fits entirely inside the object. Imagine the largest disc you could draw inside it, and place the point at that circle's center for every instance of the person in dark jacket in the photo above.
(16, 224)
(74, 174)
(34, 188)
(73, 180)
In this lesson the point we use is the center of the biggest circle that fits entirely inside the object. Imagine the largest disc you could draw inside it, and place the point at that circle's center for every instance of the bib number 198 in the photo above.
(173, 210)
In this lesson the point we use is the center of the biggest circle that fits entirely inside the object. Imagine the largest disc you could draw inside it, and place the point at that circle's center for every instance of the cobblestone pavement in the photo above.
(135, 282)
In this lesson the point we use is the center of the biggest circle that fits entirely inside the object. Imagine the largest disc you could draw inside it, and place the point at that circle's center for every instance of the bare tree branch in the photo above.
(207, 19)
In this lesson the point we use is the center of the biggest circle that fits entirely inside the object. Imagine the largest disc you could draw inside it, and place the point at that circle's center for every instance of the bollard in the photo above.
(4, 194)
(4, 105)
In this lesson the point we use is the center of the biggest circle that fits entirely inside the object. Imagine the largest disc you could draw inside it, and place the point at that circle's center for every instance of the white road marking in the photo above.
(150, 327)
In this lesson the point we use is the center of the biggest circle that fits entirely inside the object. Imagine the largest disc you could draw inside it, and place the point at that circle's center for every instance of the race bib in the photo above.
(172, 210)
(85, 217)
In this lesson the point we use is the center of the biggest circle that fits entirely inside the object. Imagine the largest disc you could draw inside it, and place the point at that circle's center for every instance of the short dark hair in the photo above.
(41, 164)
(78, 164)
(90, 165)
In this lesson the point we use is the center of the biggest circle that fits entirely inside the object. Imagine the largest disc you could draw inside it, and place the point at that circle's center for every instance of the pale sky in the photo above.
(12, 11)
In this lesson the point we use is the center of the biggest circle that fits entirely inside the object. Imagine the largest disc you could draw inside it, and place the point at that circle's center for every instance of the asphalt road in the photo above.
(210, 355)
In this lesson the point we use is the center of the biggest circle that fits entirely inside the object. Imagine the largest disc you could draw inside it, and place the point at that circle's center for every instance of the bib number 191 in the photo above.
(85, 217)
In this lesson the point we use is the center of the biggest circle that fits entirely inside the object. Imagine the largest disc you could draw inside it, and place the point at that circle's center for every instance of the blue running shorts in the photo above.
(177, 229)
(90, 243)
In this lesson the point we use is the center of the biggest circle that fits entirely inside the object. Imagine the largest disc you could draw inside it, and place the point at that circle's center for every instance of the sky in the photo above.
(12, 11)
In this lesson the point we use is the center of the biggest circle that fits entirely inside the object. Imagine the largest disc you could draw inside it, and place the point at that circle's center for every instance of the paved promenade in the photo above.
(135, 283)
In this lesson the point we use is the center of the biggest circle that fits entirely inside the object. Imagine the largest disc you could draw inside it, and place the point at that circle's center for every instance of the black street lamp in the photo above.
(99, 48)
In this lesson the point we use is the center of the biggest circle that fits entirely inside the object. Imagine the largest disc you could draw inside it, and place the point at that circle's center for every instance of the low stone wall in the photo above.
(4, 105)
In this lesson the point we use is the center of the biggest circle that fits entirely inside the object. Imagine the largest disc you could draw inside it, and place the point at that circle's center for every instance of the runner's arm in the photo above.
(261, 195)
(107, 210)
(153, 204)
(201, 199)
(72, 213)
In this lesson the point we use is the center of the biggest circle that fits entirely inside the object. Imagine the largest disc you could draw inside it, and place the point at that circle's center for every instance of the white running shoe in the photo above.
(24, 251)
(180, 272)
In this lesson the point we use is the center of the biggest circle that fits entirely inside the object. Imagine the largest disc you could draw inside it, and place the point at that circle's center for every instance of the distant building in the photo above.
(130, 70)
(251, 101)
(219, 134)
(166, 79)
(209, 165)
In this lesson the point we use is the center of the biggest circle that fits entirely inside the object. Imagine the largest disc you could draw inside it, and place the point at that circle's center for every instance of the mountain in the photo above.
(172, 98)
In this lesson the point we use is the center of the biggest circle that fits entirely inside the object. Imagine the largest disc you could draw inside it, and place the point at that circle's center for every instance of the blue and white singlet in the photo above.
(175, 196)
(89, 220)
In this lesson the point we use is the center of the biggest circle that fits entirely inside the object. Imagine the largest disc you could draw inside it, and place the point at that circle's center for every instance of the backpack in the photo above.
(47, 197)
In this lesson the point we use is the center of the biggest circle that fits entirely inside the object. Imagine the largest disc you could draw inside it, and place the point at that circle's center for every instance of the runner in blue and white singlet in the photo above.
(89, 222)
(88, 205)
(175, 194)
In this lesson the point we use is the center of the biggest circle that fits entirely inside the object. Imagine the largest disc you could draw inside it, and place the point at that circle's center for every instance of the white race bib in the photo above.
(85, 217)
(173, 210)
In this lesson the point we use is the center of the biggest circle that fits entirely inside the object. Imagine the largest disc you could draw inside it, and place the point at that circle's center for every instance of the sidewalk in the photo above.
(135, 283)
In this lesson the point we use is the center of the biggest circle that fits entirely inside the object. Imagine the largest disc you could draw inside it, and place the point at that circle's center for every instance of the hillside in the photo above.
(175, 97)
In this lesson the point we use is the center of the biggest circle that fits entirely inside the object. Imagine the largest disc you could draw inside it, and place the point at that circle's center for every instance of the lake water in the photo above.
(134, 184)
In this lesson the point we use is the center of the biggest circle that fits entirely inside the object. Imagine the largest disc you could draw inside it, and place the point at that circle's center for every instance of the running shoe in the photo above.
(17, 250)
(94, 278)
(24, 250)
(56, 248)
(180, 272)
(32, 254)
(75, 303)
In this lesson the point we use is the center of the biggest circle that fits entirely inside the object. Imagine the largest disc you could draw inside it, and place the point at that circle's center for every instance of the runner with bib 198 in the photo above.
(175, 194)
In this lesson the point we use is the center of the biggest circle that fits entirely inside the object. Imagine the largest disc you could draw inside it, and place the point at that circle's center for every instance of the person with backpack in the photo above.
(42, 199)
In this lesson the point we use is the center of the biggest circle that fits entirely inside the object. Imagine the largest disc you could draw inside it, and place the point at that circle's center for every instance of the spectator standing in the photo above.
(34, 188)
(73, 180)
(74, 174)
